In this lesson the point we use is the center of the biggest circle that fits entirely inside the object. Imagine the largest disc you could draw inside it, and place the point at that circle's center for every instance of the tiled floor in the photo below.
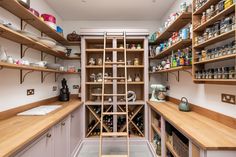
(91, 149)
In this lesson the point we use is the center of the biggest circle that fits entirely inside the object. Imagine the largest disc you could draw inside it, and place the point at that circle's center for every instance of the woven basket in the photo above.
(180, 147)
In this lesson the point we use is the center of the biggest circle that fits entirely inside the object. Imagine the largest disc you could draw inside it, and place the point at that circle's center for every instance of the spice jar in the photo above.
(99, 61)
(216, 73)
(203, 20)
(219, 73)
(225, 73)
(232, 74)
(136, 61)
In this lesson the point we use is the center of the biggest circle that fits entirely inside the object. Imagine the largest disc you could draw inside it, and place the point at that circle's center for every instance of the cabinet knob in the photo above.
(49, 135)
(63, 123)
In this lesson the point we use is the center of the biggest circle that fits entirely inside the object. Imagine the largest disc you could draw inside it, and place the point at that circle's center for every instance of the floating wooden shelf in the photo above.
(19, 38)
(216, 81)
(171, 149)
(179, 23)
(215, 18)
(179, 45)
(217, 39)
(22, 67)
(181, 68)
(205, 7)
(17, 9)
(156, 129)
(226, 57)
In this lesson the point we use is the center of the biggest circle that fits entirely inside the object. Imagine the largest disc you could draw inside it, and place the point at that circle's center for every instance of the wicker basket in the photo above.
(180, 147)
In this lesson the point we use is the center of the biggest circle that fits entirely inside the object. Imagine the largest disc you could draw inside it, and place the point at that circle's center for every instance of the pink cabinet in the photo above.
(75, 130)
(61, 138)
(42, 147)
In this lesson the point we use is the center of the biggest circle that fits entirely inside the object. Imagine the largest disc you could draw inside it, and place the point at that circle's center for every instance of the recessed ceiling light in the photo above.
(154, 1)
(84, 1)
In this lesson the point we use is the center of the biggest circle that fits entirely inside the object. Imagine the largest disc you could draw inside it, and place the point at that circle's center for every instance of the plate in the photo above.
(29, 34)
(47, 41)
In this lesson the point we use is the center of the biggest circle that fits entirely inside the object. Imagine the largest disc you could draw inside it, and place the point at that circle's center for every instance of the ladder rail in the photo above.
(103, 97)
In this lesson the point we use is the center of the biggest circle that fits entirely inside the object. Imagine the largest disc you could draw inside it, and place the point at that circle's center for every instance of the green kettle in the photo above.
(184, 105)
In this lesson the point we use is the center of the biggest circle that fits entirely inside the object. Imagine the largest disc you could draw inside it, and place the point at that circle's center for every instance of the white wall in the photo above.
(207, 96)
(12, 93)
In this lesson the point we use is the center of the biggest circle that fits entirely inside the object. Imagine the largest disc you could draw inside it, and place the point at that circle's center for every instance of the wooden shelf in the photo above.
(17, 9)
(171, 149)
(137, 102)
(215, 18)
(131, 66)
(226, 57)
(205, 6)
(19, 38)
(94, 50)
(22, 67)
(97, 66)
(179, 23)
(156, 129)
(115, 49)
(134, 50)
(179, 45)
(216, 81)
(173, 69)
(217, 39)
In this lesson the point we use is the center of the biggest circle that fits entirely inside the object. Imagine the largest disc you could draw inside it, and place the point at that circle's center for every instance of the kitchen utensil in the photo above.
(49, 18)
(73, 36)
(184, 105)
(160, 96)
(53, 66)
(131, 96)
(3, 54)
(29, 34)
(25, 3)
(35, 12)
(64, 91)
(47, 41)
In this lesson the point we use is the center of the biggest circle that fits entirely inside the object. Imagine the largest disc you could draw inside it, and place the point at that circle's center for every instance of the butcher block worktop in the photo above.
(205, 132)
(17, 131)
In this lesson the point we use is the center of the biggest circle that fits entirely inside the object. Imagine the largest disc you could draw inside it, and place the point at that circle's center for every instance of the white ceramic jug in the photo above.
(3, 54)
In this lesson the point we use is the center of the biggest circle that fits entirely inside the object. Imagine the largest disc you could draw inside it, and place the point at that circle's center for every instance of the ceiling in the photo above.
(111, 9)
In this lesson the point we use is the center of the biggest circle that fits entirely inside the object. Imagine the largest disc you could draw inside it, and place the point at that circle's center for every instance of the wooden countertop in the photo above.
(206, 133)
(17, 131)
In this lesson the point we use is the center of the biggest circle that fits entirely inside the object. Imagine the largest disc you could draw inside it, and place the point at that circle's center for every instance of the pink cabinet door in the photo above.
(42, 147)
(75, 129)
(61, 139)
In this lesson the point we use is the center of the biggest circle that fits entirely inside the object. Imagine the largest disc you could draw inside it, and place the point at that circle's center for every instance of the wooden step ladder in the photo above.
(104, 113)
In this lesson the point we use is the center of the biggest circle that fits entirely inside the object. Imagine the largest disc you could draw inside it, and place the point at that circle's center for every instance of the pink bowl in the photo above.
(48, 18)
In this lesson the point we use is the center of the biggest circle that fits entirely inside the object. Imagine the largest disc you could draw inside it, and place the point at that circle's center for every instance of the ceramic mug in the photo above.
(10, 60)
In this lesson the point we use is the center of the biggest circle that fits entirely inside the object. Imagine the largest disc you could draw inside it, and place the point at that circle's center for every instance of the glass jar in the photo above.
(219, 73)
(232, 74)
(215, 73)
(136, 61)
(225, 73)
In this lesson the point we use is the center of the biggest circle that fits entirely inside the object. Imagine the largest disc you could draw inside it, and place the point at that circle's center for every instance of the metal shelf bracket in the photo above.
(44, 56)
(44, 75)
(172, 73)
(57, 76)
(23, 51)
(189, 72)
(23, 75)
(1, 67)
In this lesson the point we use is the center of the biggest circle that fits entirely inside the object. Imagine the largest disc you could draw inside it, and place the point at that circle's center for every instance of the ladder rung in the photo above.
(114, 113)
(112, 134)
(114, 94)
(114, 155)
(114, 78)
(111, 63)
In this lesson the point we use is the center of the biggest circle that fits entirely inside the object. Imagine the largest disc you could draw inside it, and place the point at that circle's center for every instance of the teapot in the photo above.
(184, 105)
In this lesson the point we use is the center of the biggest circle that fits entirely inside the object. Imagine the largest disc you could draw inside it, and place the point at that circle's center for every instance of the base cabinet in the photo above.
(60, 141)
(75, 130)
(42, 147)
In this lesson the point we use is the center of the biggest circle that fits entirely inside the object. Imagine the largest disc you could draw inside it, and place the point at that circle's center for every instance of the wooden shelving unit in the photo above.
(180, 68)
(171, 149)
(94, 48)
(227, 36)
(179, 23)
(179, 45)
(17, 9)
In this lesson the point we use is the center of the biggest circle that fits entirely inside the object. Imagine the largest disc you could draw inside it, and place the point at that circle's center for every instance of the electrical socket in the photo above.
(75, 86)
(227, 98)
(30, 92)
(54, 88)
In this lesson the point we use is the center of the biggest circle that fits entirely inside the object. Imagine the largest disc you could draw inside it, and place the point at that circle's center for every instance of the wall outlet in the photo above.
(54, 88)
(30, 92)
(75, 86)
(227, 98)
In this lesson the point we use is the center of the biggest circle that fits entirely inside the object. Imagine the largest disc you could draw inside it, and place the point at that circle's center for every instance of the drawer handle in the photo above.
(49, 135)
(63, 123)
